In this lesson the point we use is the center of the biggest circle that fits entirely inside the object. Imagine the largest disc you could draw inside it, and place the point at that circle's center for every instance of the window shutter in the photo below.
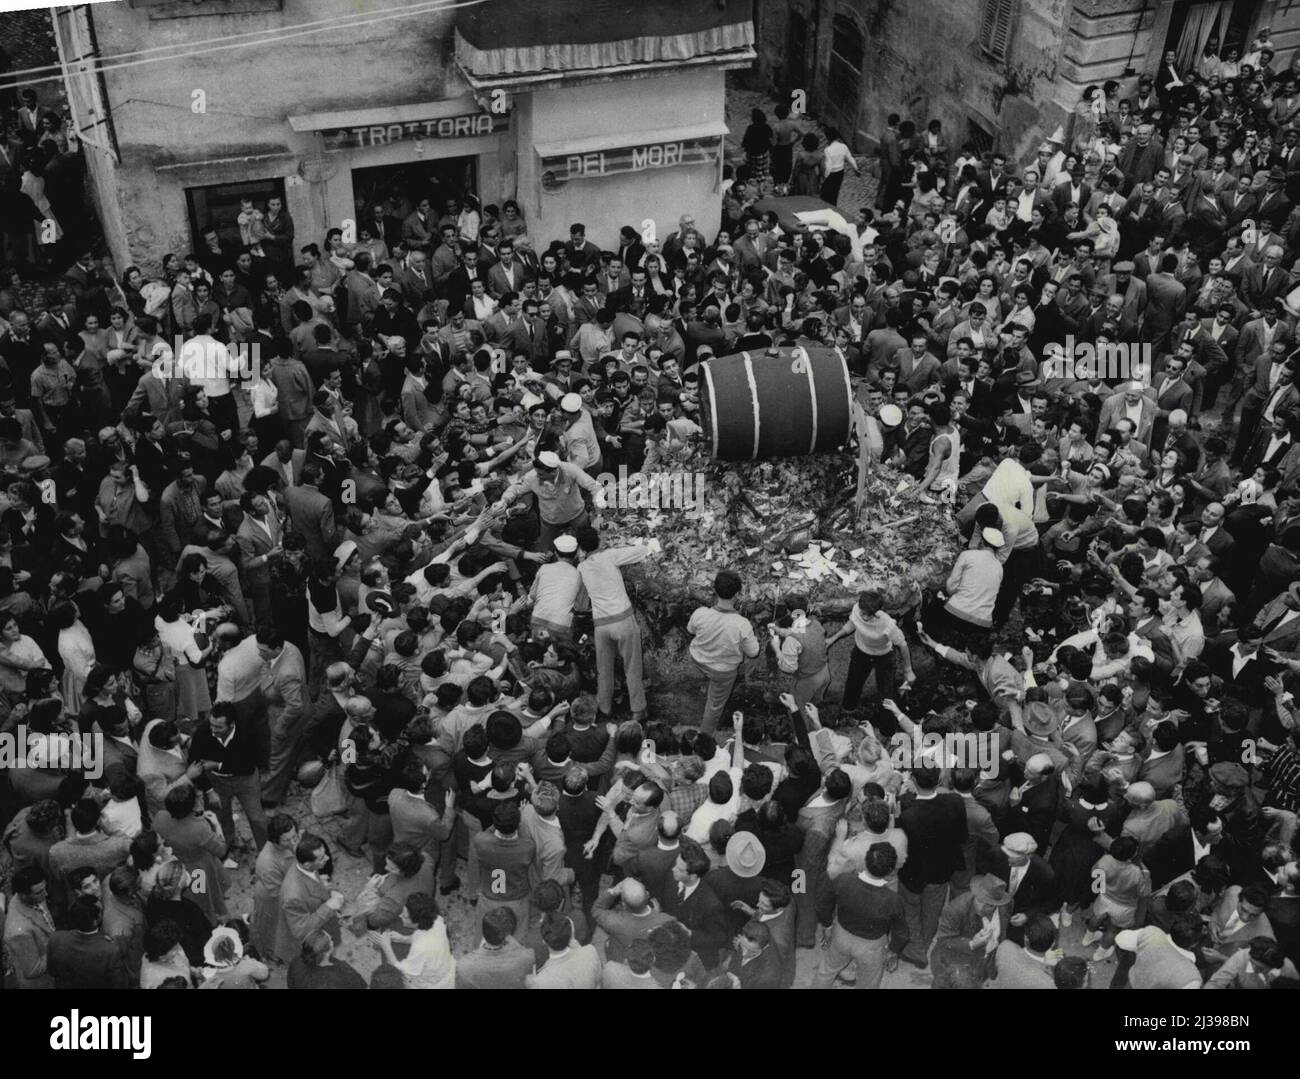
(995, 27)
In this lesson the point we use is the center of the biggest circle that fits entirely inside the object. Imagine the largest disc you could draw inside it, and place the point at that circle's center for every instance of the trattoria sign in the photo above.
(654, 155)
(472, 126)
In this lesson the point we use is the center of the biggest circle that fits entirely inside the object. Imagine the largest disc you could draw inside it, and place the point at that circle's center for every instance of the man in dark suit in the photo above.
(632, 297)
(1172, 393)
(1239, 203)
(1028, 877)
(311, 514)
(1274, 205)
(935, 826)
(507, 274)
(457, 284)
(414, 280)
(1242, 666)
(506, 328)
(583, 255)
(1166, 301)
(1267, 282)
(120, 753)
(83, 956)
(756, 963)
(994, 177)
(1178, 850)
(1267, 433)
(697, 906)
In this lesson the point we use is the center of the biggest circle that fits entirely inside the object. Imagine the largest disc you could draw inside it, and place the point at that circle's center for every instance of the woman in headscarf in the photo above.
(172, 900)
(225, 966)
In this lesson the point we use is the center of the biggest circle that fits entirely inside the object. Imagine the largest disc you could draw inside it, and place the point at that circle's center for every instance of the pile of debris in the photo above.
(785, 526)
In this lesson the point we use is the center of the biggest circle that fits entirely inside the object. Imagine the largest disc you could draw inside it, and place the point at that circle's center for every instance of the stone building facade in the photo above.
(996, 72)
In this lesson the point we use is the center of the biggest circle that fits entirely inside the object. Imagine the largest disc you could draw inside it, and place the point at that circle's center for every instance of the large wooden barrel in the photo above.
(758, 405)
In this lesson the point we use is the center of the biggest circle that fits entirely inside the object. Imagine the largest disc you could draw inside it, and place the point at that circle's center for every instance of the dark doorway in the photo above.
(1228, 21)
(796, 52)
(404, 185)
(844, 80)
(217, 207)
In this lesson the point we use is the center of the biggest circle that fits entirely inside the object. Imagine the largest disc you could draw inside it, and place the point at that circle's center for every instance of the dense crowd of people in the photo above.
(298, 532)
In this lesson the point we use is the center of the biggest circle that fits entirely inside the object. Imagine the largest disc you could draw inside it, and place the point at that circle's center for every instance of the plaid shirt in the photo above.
(684, 801)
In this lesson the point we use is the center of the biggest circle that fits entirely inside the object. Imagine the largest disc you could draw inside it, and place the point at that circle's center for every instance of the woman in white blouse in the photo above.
(76, 649)
(18, 655)
(178, 638)
(428, 963)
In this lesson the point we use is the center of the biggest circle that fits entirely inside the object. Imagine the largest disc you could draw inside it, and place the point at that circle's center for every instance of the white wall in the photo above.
(622, 111)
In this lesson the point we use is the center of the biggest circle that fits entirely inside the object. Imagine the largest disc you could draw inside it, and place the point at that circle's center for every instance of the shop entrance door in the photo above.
(400, 187)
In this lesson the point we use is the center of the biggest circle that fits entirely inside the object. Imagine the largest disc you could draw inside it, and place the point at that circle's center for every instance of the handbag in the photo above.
(329, 797)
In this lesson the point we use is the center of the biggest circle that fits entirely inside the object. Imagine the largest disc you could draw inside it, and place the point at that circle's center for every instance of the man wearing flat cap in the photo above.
(971, 927)
(1029, 880)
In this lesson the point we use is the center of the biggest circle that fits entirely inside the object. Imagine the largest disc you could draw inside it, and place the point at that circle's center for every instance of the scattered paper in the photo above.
(858, 553)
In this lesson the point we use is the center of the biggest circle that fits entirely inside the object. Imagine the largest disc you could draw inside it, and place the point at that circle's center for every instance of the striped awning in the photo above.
(504, 40)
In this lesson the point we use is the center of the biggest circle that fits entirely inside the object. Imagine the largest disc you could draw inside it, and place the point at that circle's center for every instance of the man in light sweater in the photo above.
(500, 961)
(557, 487)
(555, 588)
(617, 630)
(568, 966)
(1164, 960)
(877, 641)
(721, 641)
(972, 589)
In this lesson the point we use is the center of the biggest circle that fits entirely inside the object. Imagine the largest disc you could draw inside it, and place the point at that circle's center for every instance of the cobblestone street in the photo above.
(857, 190)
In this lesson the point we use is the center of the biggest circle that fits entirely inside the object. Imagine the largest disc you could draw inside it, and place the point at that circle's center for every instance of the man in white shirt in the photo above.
(838, 158)
(580, 434)
(207, 363)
